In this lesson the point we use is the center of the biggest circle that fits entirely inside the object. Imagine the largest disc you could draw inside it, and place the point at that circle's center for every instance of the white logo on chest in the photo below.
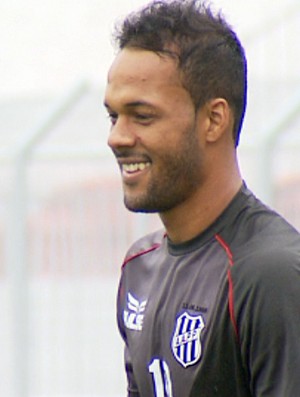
(134, 315)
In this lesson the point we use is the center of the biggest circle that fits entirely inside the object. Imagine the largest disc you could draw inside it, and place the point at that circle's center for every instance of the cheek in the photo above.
(167, 135)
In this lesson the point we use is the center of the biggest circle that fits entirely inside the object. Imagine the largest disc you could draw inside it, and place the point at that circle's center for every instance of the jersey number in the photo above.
(161, 378)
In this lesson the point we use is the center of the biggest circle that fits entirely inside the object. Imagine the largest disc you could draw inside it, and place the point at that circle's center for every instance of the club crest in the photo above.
(186, 343)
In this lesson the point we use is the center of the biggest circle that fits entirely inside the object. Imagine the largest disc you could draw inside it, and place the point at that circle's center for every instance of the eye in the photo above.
(113, 117)
(144, 118)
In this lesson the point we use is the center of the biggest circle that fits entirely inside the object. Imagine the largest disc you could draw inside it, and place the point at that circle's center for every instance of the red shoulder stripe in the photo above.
(226, 248)
(140, 253)
(230, 283)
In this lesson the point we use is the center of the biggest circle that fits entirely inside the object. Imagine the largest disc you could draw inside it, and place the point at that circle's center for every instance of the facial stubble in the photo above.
(178, 177)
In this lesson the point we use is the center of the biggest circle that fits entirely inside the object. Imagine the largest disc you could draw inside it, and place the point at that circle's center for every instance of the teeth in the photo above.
(135, 167)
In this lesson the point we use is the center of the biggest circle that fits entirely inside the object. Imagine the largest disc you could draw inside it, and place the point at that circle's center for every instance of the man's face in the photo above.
(153, 134)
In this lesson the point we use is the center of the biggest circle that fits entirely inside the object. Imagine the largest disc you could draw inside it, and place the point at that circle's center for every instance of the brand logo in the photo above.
(186, 343)
(134, 315)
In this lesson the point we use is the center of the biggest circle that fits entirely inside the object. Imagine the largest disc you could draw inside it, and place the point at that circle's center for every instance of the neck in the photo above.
(193, 216)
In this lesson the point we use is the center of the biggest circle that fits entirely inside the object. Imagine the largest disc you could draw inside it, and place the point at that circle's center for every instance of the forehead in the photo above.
(143, 73)
(138, 63)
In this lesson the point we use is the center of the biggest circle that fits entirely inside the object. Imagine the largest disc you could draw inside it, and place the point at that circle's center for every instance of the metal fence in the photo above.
(64, 234)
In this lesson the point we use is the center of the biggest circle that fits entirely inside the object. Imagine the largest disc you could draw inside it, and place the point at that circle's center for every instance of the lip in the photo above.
(133, 170)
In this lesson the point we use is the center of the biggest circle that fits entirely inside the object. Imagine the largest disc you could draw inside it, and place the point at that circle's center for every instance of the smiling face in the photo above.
(154, 133)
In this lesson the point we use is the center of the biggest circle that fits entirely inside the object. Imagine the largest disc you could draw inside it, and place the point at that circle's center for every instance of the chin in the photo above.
(138, 208)
(136, 205)
(148, 206)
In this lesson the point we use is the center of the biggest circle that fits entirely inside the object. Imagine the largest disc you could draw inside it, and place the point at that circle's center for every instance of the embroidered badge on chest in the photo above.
(186, 341)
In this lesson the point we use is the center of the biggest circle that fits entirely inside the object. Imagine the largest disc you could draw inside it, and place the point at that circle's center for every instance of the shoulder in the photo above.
(266, 256)
(266, 280)
(145, 245)
(260, 238)
(271, 256)
(270, 243)
(269, 271)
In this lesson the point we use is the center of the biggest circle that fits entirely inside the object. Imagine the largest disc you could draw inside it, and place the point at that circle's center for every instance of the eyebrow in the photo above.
(133, 104)
(138, 103)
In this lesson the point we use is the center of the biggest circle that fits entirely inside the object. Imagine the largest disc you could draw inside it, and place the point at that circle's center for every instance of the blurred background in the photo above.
(63, 228)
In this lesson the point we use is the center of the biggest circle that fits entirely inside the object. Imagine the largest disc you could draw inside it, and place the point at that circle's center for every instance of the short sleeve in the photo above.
(132, 390)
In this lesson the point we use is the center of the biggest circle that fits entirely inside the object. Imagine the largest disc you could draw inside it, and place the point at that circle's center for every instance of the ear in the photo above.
(219, 119)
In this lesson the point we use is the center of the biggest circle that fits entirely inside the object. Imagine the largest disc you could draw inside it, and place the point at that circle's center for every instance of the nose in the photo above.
(121, 134)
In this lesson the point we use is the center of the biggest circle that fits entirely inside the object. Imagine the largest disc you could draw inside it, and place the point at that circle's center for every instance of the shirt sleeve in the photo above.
(132, 390)
(268, 319)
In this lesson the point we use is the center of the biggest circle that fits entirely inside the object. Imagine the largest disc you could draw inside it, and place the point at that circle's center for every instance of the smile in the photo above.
(134, 167)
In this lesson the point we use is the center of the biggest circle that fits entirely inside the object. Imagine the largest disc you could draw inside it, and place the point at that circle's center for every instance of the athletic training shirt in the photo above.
(217, 316)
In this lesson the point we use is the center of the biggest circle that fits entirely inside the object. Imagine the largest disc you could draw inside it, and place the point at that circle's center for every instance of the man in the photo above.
(209, 306)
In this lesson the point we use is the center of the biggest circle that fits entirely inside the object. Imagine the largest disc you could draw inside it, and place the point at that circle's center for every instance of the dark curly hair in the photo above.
(210, 56)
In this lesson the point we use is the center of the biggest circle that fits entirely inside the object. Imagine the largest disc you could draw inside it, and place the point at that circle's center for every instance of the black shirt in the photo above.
(218, 315)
